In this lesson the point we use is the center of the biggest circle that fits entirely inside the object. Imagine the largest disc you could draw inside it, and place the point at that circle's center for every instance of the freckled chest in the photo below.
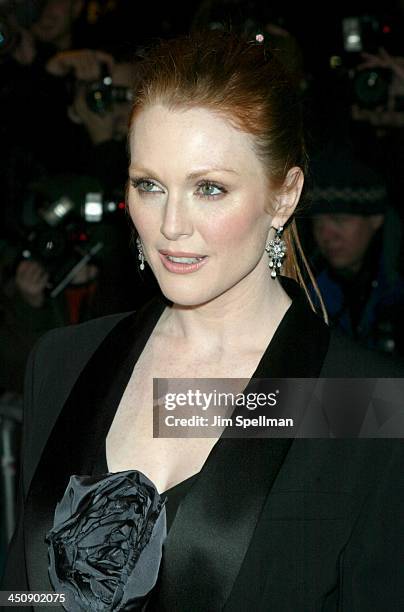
(130, 443)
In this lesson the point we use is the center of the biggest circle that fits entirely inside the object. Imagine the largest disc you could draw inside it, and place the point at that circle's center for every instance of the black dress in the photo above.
(173, 495)
(267, 524)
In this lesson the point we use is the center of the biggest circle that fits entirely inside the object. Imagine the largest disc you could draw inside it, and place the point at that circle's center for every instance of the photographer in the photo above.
(27, 311)
(99, 107)
(93, 148)
(99, 110)
(26, 314)
(377, 107)
(391, 114)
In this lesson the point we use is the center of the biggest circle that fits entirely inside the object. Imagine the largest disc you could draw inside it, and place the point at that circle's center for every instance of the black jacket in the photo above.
(274, 525)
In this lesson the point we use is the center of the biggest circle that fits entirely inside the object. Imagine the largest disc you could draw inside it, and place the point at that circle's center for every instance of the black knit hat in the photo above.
(343, 184)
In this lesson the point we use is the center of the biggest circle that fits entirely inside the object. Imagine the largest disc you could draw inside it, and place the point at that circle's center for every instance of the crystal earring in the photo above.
(141, 254)
(276, 250)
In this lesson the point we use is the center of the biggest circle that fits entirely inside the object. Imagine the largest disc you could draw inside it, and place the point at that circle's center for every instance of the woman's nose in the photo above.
(176, 221)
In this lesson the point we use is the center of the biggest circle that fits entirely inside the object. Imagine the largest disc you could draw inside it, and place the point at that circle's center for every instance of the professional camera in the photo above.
(367, 33)
(63, 239)
(103, 94)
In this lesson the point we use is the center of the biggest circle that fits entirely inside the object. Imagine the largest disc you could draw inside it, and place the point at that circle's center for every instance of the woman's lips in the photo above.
(182, 267)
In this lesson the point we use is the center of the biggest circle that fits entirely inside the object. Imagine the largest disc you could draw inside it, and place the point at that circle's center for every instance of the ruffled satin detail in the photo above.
(105, 546)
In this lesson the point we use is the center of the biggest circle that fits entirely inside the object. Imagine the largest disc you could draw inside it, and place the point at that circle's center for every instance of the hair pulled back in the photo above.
(246, 84)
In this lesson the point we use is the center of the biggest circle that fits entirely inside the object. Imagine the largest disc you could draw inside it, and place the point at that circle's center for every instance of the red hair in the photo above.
(247, 85)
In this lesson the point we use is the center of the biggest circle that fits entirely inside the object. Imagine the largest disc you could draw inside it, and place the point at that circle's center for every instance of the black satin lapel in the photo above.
(300, 343)
(214, 525)
(74, 441)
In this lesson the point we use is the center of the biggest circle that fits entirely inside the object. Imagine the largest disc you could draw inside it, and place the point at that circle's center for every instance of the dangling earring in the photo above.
(141, 254)
(276, 250)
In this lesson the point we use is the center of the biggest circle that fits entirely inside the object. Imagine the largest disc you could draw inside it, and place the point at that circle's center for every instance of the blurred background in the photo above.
(66, 245)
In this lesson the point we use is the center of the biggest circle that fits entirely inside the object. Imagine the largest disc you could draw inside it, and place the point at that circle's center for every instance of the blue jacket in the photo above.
(379, 318)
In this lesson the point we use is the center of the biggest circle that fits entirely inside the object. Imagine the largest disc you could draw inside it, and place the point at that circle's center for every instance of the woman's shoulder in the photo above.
(346, 358)
(79, 340)
(63, 352)
(81, 335)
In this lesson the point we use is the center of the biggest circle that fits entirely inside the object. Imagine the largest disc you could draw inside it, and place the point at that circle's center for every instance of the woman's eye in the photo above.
(145, 186)
(210, 190)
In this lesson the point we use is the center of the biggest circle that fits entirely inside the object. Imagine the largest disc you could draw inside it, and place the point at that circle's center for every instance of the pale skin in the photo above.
(223, 315)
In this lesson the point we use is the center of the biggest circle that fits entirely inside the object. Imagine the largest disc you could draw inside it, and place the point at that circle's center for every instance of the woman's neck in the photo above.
(246, 315)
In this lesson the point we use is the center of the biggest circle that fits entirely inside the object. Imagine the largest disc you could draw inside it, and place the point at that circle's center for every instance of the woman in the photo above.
(215, 175)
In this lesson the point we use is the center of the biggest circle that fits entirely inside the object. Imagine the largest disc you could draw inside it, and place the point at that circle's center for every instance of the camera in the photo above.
(366, 33)
(63, 240)
(371, 87)
(103, 94)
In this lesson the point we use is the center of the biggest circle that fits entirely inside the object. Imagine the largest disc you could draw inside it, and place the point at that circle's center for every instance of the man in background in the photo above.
(357, 237)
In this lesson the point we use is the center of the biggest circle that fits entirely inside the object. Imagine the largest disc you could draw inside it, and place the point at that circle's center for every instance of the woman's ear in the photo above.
(288, 197)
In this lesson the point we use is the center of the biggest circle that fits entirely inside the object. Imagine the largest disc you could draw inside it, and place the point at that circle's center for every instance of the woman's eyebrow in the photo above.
(202, 171)
(191, 175)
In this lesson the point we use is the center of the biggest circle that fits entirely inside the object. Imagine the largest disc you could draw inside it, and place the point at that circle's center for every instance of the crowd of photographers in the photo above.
(67, 67)
(65, 253)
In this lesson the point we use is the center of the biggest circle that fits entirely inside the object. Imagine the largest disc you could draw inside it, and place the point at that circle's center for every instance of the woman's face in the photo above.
(198, 197)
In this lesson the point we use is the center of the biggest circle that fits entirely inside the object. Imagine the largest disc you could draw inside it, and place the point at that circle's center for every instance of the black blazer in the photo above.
(274, 525)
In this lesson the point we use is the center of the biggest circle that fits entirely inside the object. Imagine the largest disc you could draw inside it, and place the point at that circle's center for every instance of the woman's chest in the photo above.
(131, 443)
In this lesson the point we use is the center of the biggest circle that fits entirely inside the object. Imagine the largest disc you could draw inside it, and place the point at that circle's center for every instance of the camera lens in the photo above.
(371, 87)
(98, 98)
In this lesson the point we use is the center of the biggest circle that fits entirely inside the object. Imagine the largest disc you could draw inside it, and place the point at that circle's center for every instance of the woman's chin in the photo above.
(185, 298)
(180, 290)
(184, 294)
